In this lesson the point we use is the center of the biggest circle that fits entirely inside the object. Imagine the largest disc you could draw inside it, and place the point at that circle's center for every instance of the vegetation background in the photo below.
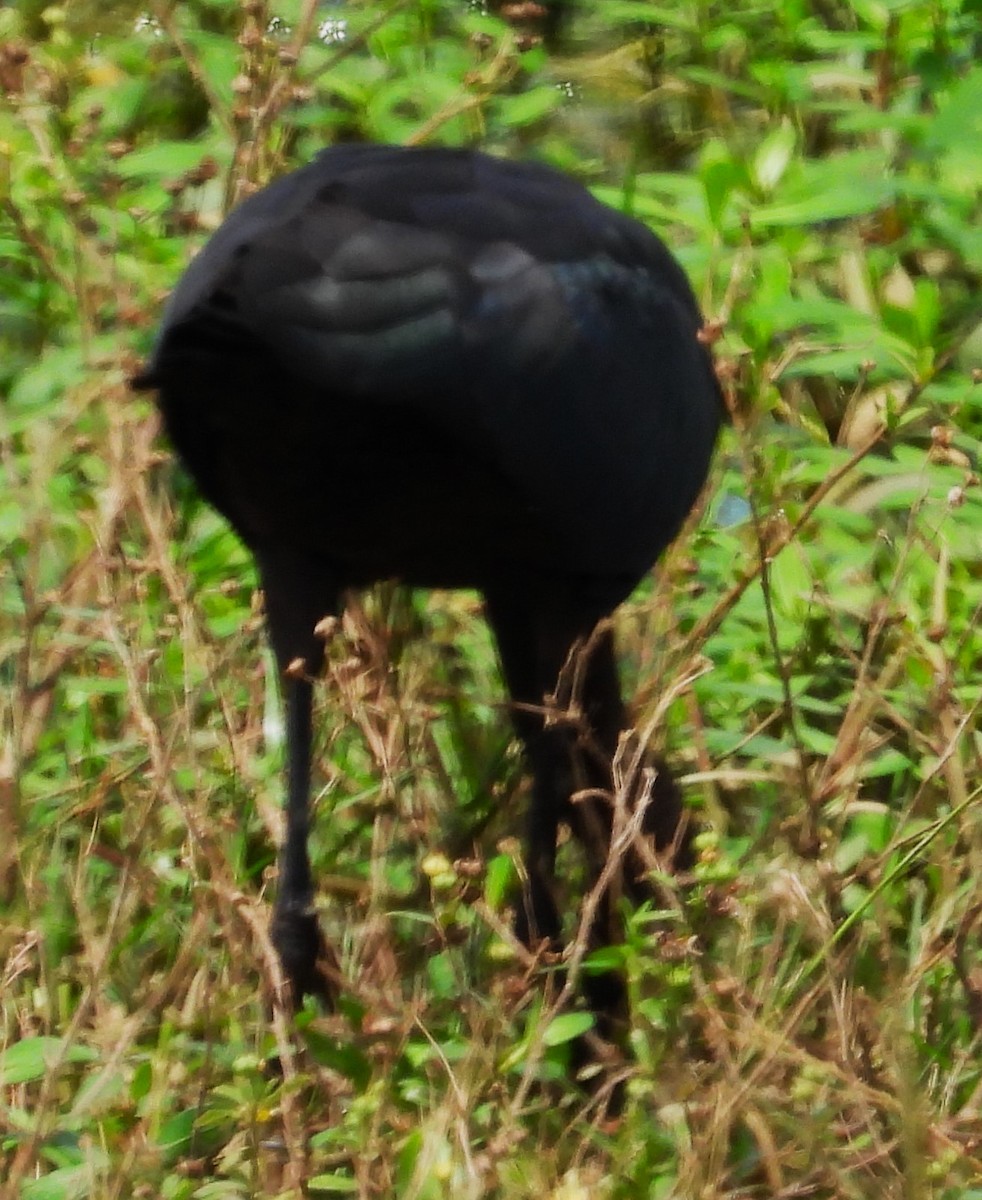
(807, 1011)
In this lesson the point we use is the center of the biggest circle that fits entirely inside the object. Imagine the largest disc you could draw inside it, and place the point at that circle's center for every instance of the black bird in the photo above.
(456, 371)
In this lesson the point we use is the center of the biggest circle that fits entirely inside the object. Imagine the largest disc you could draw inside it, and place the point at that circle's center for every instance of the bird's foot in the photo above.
(309, 963)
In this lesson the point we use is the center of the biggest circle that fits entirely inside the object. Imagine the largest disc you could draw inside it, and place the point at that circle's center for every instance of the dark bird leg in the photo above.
(293, 610)
(534, 640)
(595, 693)
(570, 751)
(531, 670)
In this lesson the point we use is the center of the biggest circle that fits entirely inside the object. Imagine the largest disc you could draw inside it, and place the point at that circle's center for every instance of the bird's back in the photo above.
(441, 366)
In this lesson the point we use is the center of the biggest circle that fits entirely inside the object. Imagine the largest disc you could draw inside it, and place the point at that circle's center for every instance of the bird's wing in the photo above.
(381, 272)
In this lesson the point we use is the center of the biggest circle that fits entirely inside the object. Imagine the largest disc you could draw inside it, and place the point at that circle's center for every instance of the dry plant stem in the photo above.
(37, 247)
(626, 832)
(35, 117)
(160, 759)
(458, 1091)
(705, 628)
(461, 1105)
(26, 1155)
(680, 686)
(920, 844)
(90, 260)
(870, 695)
(265, 113)
(755, 731)
(293, 1129)
(765, 555)
(37, 685)
(164, 13)
(766, 1048)
(769, 1153)
(963, 962)
(856, 724)
(36, 681)
(276, 97)
(500, 71)
(528, 959)
(354, 44)
(741, 1040)
(193, 631)
(954, 769)
(150, 1006)
(742, 263)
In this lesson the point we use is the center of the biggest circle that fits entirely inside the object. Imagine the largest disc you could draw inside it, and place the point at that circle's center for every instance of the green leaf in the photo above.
(441, 974)
(529, 106)
(339, 1055)
(499, 881)
(32, 1058)
(64, 1183)
(604, 959)
(333, 1185)
(142, 1081)
(174, 1134)
(826, 204)
(566, 1027)
(165, 160)
(773, 156)
(848, 184)
(720, 175)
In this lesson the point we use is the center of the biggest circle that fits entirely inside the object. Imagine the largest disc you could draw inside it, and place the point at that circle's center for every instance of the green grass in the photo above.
(806, 1011)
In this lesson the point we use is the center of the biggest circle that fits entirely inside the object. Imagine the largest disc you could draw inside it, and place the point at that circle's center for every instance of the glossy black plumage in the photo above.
(456, 371)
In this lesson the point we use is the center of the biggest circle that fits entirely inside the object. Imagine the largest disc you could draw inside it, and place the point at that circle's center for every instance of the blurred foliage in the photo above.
(807, 1010)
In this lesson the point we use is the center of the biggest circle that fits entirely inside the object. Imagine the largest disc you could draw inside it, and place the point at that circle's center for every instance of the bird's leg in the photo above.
(550, 648)
(593, 690)
(535, 640)
(589, 691)
(292, 612)
(528, 680)
(307, 960)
